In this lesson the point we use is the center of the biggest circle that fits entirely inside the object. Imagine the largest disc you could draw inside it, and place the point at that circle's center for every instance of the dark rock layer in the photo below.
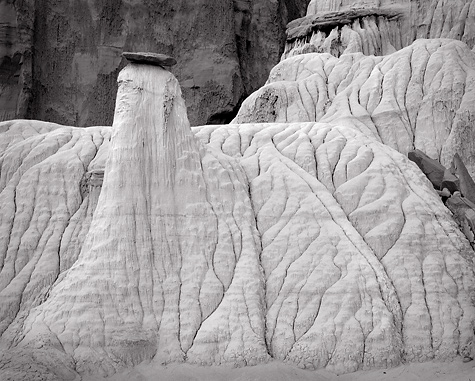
(59, 60)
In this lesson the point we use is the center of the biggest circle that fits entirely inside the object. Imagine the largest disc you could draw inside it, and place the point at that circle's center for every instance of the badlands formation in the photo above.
(299, 237)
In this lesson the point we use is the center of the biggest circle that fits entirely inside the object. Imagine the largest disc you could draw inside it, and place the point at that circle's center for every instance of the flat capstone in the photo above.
(155, 59)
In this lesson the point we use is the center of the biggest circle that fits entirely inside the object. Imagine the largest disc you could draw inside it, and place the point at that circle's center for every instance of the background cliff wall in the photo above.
(59, 59)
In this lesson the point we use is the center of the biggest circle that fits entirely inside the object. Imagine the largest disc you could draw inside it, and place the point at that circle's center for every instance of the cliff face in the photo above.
(16, 42)
(59, 60)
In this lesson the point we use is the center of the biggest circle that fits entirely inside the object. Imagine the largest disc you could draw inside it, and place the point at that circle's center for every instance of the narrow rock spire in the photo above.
(158, 261)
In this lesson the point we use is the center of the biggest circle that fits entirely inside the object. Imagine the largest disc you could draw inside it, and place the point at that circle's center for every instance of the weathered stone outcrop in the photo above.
(440, 177)
(236, 244)
(372, 31)
(16, 61)
(467, 185)
(368, 182)
(419, 97)
(456, 188)
(299, 234)
(225, 51)
(378, 27)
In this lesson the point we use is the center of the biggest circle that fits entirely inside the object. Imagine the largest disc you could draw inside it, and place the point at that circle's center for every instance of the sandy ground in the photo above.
(277, 371)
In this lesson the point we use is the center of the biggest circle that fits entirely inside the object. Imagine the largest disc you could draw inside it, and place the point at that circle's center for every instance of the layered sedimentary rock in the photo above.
(225, 51)
(309, 243)
(372, 31)
(419, 97)
(378, 27)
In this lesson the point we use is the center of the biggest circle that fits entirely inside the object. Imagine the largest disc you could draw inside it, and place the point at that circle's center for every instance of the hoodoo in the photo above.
(298, 236)
(162, 250)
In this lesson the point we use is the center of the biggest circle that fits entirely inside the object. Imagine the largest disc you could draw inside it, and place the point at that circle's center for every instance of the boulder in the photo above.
(434, 171)
(450, 181)
(464, 213)
(467, 185)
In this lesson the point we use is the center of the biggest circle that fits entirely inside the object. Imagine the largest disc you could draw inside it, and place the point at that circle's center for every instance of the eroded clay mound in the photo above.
(46, 206)
(303, 242)
(419, 97)
(331, 201)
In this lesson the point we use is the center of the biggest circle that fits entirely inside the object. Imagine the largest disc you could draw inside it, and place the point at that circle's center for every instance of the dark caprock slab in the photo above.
(304, 26)
(155, 59)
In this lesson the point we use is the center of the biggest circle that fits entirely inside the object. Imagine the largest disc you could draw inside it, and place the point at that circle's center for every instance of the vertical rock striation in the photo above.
(169, 250)
(16, 58)
(44, 216)
(361, 259)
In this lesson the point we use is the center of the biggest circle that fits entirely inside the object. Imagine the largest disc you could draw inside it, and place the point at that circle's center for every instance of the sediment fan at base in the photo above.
(308, 243)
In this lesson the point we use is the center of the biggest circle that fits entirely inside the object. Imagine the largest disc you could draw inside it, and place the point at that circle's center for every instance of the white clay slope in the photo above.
(419, 97)
(44, 217)
(313, 219)
(310, 243)
(331, 201)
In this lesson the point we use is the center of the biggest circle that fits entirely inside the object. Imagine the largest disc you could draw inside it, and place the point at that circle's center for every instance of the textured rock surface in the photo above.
(426, 19)
(372, 31)
(464, 213)
(467, 185)
(309, 240)
(438, 175)
(379, 26)
(209, 246)
(224, 49)
(16, 40)
(419, 97)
